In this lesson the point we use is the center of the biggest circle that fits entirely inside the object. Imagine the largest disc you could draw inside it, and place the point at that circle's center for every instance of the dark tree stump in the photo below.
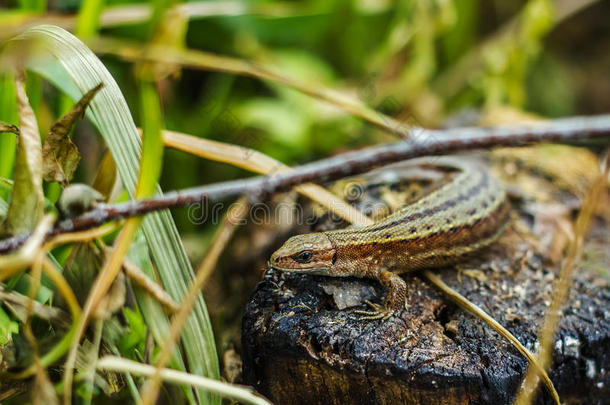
(303, 343)
(300, 348)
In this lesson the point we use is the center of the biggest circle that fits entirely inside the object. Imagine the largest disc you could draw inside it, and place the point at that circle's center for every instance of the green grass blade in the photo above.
(152, 149)
(8, 114)
(110, 113)
(87, 23)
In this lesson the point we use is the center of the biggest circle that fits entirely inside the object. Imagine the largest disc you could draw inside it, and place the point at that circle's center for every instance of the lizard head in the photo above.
(311, 253)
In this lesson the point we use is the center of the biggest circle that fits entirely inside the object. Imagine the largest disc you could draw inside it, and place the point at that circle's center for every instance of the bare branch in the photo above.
(424, 143)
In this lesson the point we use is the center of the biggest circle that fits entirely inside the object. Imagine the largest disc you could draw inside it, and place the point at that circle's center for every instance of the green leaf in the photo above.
(27, 200)
(23, 285)
(284, 123)
(75, 69)
(159, 9)
(33, 5)
(7, 327)
(152, 150)
(8, 113)
(87, 23)
(136, 338)
(81, 268)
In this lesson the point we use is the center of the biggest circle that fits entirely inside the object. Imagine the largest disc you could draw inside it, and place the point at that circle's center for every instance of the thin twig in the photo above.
(17, 261)
(150, 286)
(36, 273)
(428, 142)
(93, 353)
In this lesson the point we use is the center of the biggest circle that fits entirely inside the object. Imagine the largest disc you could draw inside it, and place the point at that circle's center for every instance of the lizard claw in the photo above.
(377, 312)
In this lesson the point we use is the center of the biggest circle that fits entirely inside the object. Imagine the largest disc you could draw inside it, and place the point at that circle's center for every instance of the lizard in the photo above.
(458, 218)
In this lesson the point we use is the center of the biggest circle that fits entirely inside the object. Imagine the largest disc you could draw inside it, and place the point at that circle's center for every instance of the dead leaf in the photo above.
(27, 200)
(106, 176)
(60, 156)
(4, 127)
(113, 300)
(43, 392)
(232, 365)
(81, 268)
(60, 159)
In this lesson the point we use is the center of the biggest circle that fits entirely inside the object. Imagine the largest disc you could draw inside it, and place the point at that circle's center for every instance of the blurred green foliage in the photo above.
(410, 52)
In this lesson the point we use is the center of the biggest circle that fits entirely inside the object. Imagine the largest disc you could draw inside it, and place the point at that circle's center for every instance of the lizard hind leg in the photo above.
(395, 298)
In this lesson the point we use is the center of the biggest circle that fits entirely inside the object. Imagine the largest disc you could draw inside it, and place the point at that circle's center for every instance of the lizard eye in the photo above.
(303, 257)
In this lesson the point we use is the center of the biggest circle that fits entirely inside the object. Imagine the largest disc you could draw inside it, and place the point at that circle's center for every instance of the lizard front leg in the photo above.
(396, 297)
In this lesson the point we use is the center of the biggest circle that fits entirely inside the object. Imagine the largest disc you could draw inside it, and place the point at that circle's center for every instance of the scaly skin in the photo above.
(458, 218)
